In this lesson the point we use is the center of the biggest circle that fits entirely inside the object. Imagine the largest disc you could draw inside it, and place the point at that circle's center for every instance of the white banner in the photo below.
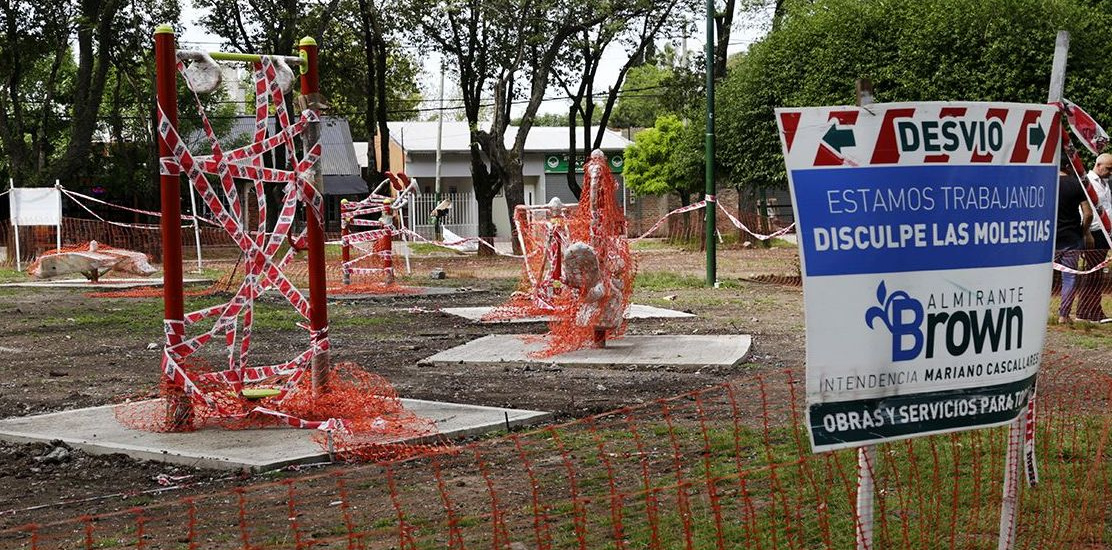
(36, 206)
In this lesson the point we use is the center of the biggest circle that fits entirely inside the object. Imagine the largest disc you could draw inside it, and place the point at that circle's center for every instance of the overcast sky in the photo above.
(745, 32)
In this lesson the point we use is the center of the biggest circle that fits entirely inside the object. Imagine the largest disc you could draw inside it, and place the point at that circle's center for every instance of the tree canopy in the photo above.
(667, 84)
(666, 159)
(911, 50)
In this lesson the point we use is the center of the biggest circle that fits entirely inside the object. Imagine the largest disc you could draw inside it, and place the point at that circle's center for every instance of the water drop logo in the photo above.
(903, 315)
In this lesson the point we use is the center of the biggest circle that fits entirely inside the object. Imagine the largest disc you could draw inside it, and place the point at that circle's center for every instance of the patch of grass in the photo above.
(651, 244)
(432, 249)
(664, 280)
(1088, 335)
(357, 319)
(126, 315)
(9, 275)
(781, 243)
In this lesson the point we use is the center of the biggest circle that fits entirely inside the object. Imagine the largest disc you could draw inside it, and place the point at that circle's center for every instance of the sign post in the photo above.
(15, 226)
(866, 456)
(926, 233)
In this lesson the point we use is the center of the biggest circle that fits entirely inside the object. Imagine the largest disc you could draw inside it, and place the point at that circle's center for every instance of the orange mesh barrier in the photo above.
(723, 467)
(297, 271)
(597, 266)
(364, 408)
(578, 267)
(543, 232)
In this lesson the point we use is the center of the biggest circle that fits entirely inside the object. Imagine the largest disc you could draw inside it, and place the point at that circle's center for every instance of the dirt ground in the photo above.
(62, 350)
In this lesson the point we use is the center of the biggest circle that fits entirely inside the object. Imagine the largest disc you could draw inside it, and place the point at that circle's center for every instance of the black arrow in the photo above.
(837, 139)
(1036, 136)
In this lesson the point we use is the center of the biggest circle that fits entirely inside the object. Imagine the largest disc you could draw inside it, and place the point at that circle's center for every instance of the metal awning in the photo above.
(344, 184)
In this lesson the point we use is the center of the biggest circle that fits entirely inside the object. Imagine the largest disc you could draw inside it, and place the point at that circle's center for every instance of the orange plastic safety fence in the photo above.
(543, 232)
(597, 266)
(297, 271)
(372, 415)
(1081, 284)
(724, 467)
(578, 270)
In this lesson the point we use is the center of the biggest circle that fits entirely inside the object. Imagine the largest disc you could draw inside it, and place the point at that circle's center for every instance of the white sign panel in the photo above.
(926, 234)
(36, 206)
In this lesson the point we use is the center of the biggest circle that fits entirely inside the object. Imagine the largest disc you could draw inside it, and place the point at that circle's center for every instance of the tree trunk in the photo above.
(380, 87)
(92, 71)
(374, 169)
(573, 184)
(486, 185)
(515, 194)
(685, 228)
(724, 22)
(12, 129)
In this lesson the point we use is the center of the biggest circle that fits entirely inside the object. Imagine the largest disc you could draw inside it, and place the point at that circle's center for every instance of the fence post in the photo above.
(15, 227)
(58, 234)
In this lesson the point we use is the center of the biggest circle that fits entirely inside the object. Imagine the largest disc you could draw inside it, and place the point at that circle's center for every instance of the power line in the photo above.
(630, 94)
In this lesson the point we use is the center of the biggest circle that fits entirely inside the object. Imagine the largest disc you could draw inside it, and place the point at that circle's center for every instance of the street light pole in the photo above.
(711, 204)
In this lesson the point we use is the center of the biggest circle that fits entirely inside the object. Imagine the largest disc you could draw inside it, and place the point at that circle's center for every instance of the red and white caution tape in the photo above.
(260, 247)
(75, 195)
(1059, 267)
(680, 210)
(737, 223)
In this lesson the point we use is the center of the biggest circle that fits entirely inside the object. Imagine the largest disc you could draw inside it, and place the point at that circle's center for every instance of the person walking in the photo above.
(1072, 234)
(1092, 285)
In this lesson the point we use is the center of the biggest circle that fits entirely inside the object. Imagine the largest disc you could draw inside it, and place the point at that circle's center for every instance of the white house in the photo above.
(414, 144)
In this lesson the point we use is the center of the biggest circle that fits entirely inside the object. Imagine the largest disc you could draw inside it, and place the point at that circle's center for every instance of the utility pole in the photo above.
(439, 142)
(712, 268)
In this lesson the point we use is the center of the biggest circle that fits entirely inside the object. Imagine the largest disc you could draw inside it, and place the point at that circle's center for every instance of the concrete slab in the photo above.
(96, 430)
(686, 352)
(412, 291)
(636, 311)
(104, 284)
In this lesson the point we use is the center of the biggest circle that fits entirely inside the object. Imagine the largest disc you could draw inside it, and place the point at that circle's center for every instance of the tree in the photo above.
(666, 159)
(349, 62)
(723, 30)
(466, 33)
(506, 50)
(912, 51)
(35, 60)
(667, 84)
(540, 32)
(57, 58)
(637, 33)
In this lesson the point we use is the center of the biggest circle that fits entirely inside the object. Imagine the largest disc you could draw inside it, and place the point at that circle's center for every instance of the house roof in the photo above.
(417, 137)
(339, 164)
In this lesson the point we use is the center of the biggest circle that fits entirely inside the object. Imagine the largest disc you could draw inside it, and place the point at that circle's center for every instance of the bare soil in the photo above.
(62, 350)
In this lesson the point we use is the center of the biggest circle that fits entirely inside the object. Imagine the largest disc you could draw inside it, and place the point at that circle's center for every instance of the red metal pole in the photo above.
(386, 242)
(318, 300)
(179, 410)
